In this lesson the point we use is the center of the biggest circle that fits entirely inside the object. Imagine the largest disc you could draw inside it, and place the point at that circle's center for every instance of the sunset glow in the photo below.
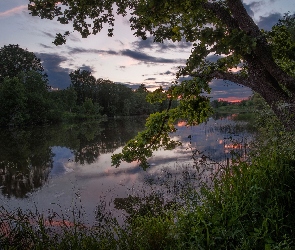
(13, 11)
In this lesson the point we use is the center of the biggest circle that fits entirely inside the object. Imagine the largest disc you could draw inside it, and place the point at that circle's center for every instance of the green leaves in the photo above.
(14, 60)
(282, 42)
(216, 28)
(192, 107)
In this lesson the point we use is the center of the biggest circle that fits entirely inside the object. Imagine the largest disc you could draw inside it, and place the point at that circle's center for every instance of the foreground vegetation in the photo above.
(250, 206)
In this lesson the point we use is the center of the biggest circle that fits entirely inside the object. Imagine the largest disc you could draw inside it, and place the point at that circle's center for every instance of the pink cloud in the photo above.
(13, 11)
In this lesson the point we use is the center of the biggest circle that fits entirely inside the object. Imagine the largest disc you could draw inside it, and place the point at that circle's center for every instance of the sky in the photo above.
(122, 58)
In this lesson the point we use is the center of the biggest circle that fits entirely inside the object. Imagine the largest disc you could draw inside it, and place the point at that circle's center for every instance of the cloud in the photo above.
(134, 54)
(143, 44)
(120, 42)
(149, 86)
(74, 38)
(226, 89)
(160, 47)
(221, 89)
(45, 46)
(150, 79)
(91, 51)
(58, 77)
(51, 36)
(140, 56)
(13, 11)
(249, 7)
(163, 83)
(268, 22)
(213, 58)
(88, 68)
(130, 84)
(168, 72)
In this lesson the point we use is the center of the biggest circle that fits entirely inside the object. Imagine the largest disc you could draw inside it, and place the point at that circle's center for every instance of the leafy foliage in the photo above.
(113, 99)
(191, 107)
(15, 60)
(12, 102)
(248, 56)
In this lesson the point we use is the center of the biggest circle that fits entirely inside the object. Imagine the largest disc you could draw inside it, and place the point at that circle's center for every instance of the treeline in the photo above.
(255, 101)
(98, 96)
(26, 98)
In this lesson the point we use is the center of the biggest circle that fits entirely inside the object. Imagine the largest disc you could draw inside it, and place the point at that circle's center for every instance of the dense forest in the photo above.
(26, 97)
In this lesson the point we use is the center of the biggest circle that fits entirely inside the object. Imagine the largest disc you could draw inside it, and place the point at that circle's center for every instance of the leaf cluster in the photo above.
(192, 107)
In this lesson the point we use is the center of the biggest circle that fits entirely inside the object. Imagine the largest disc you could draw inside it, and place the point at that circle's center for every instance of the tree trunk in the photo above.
(282, 106)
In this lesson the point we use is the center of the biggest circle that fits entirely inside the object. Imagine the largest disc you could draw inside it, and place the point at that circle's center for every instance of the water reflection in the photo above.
(25, 161)
(70, 166)
(26, 156)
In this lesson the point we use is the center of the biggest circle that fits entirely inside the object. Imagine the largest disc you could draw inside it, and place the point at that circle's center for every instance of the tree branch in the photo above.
(236, 78)
(262, 50)
(222, 13)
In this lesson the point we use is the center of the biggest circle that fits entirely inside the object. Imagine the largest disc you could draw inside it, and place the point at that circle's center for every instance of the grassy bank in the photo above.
(250, 206)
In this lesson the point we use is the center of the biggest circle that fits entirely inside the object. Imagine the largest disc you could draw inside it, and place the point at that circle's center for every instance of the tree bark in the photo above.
(264, 75)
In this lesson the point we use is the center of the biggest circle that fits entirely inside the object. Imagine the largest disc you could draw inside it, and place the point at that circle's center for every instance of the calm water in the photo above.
(66, 168)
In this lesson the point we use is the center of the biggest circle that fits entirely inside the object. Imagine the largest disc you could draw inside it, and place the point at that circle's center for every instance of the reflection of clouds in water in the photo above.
(58, 169)
(61, 156)
(99, 180)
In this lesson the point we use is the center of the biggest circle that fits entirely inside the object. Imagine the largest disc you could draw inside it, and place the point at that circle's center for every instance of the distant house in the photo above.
(53, 89)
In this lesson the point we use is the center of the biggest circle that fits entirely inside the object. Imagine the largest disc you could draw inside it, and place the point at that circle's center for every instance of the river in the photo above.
(67, 168)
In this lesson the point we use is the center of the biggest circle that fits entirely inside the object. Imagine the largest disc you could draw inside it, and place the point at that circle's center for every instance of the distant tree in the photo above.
(23, 71)
(13, 102)
(37, 103)
(90, 108)
(142, 89)
(24, 100)
(82, 82)
(15, 60)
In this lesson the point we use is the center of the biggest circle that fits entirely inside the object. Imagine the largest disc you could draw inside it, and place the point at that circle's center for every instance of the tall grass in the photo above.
(249, 206)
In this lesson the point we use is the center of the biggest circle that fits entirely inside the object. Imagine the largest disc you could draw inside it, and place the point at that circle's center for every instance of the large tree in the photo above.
(23, 88)
(15, 60)
(263, 61)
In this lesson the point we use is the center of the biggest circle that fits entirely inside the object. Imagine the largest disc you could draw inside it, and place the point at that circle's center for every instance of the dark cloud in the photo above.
(92, 51)
(130, 84)
(136, 85)
(48, 34)
(150, 79)
(143, 44)
(45, 46)
(168, 72)
(140, 56)
(160, 47)
(268, 22)
(58, 77)
(88, 68)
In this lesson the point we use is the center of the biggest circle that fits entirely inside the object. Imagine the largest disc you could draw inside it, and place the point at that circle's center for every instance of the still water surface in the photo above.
(66, 168)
